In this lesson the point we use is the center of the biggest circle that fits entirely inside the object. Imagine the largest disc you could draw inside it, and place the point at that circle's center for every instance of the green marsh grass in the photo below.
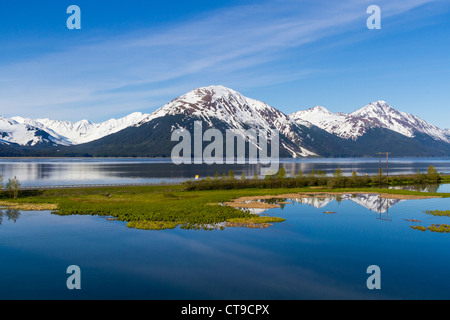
(163, 207)
(439, 213)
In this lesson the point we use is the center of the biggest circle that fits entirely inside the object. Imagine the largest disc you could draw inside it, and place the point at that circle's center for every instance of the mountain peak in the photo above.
(320, 109)
(375, 110)
(84, 122)
(381, 105)
(216, 88)
(313, 115)
(211, 93)
(213, 102)
(216, 104)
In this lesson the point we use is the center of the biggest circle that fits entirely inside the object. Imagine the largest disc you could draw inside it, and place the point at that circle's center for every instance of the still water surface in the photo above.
(312, 255)
(38, 172)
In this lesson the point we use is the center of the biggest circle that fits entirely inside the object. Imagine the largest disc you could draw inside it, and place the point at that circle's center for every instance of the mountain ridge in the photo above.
(82, 131)
(312, 132)
(374, 115)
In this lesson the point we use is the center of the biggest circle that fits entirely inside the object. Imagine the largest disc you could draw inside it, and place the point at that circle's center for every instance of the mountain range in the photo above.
(315, 132)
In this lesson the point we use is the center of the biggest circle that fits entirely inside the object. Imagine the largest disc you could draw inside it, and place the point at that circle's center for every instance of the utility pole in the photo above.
(387, 165)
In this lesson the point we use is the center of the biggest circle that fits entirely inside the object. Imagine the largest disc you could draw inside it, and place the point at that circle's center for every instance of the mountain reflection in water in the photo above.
(373, 202)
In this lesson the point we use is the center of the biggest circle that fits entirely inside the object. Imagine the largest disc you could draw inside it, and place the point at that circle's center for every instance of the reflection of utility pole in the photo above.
(387, 165)
(380, 207)
(387, 214)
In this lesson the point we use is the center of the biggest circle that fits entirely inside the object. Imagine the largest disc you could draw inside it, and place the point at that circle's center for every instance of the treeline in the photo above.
(312, 179)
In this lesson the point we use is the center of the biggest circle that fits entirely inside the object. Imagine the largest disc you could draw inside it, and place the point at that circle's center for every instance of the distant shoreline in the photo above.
(281, 159)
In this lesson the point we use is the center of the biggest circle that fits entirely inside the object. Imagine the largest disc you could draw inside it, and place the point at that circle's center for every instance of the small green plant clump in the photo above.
(420, 228)
(440, 228)
(152, 225)
(439, 213)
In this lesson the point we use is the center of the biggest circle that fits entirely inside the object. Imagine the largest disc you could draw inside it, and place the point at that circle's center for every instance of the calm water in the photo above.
(443, 188)
(35, 172)
(310, 256)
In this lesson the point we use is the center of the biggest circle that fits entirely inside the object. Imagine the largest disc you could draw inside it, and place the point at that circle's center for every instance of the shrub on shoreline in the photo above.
(315, 179)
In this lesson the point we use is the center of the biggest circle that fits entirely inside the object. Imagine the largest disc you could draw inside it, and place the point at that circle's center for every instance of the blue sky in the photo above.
(138, 55)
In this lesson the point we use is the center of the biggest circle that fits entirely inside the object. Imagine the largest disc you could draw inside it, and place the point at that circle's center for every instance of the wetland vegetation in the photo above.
(440, 228)
(206, 204)
(317, 179)
(439, 213)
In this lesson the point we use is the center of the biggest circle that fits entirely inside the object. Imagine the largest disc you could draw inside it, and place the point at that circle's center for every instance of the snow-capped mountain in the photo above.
(83, 131)
(13, 132)
(375, 115)
(239, 113)
(210, 104)
(313, 132)
(324, 119)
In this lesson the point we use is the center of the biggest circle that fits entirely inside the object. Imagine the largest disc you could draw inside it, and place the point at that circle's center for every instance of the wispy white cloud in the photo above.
(142, 69)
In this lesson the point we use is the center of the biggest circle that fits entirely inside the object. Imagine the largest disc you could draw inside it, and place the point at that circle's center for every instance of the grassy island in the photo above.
(188, 206)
